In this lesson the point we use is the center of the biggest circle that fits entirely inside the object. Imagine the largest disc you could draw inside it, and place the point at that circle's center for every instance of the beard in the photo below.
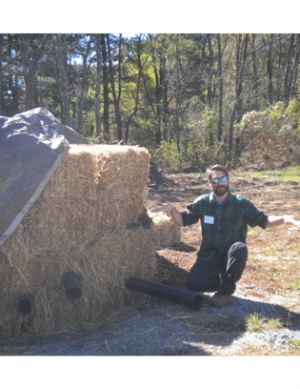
(220, 190)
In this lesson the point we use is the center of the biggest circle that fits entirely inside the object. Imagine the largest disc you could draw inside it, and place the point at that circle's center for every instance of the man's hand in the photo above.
(291, 220)
(167, 209)
(172, 212)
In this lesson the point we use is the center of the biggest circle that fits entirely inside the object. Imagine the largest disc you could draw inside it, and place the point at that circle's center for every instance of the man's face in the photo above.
(221, 188)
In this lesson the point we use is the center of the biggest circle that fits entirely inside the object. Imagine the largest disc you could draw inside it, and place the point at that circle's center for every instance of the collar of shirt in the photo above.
(229, 198)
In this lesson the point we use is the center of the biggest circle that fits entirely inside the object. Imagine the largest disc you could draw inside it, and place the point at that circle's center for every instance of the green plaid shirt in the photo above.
(222, 225)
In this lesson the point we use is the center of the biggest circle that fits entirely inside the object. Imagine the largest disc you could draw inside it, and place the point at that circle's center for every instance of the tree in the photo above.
(105, 83)
(159, 100)
(255, 80)
(294, 75)
(241, 55)
(98, 85)
(136, 101)
(83, 77)
(62, 81)
(287, 73)
(116, 98)
(220, 100)
(32, 49)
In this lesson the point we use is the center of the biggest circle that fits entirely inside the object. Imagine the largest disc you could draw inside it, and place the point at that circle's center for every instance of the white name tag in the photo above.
(209, 219)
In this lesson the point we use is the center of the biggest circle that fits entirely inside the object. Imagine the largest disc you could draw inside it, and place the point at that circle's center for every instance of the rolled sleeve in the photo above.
(256, 217)
(189, 218)
(191, 215)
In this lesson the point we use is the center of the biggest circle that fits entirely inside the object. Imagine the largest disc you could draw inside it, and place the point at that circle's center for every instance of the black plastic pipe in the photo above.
(165, 292)
(25, 304)
(72, 286)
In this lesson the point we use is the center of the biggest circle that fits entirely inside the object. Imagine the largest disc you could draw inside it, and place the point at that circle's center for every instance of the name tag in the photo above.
(209, 219)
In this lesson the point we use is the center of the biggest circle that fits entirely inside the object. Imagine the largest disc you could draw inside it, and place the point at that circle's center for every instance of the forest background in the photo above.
(191, 99)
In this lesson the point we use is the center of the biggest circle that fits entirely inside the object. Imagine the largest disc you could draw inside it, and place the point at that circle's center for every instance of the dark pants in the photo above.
(221, 273)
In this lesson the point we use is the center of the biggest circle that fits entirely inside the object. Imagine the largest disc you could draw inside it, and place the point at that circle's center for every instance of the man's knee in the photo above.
(237, 259)
(239, 250)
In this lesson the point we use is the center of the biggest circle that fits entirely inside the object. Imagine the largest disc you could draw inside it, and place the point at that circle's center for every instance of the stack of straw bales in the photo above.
(86, 221)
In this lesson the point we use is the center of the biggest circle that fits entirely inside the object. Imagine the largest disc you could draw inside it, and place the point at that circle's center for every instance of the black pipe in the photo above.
(25, 304)
(72, 286)
(165, 292)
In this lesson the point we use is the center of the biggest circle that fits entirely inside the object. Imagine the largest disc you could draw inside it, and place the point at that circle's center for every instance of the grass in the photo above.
(293, 347)
(296, 285)
(276, 271)
(257, 323)
(273, 249)
(294, 344)
(290, 173)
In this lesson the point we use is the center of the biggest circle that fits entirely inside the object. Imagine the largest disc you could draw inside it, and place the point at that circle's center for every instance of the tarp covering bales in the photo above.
(31, 145)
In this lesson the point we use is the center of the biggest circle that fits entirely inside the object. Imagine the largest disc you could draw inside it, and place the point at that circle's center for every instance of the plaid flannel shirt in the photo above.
(222, 225)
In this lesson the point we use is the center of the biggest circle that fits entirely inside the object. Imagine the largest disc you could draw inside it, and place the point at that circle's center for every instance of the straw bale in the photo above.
(89, 170)
(101, 267)
(61, 222)
(127, 165)
(66, 222)
(77, 175)
(166, 233)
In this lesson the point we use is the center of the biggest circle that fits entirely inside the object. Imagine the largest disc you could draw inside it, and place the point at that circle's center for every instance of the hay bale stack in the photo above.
(95, 188)
(86, 221)
(166, 233)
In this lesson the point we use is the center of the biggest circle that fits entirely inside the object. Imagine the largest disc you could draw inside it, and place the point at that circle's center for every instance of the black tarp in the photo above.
(31, 147)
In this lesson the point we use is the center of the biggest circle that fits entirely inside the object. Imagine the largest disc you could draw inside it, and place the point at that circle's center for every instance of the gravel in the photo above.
(157, 327)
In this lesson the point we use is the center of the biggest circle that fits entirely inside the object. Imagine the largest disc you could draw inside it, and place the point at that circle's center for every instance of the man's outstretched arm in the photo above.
(274, 221)
(172, 212)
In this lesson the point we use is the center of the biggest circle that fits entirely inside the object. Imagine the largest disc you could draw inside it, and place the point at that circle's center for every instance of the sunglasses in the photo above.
(216, 180)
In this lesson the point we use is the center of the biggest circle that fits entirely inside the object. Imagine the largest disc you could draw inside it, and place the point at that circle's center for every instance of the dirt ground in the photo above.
(270, 287)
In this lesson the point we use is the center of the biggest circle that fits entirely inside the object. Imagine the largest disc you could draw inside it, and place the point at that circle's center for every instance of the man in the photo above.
(224, 217)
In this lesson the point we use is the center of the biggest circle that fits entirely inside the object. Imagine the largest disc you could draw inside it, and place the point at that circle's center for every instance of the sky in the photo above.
(160, 16)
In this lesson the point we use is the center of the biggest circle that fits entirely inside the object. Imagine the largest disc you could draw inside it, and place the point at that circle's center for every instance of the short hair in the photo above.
(216, 167)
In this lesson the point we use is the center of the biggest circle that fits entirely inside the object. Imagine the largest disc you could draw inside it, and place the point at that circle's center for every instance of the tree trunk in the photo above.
(279, 78)
(294, 88)
(287, 72)
(29, 70)
(137, 90)
(165, 102)
(63, 81)
(210, 70)
(105, 88)
(241, 59)
(255, 76)
(241, 52)
(269, 69)
(31, 54)
(82, 87)
(98, 86)
(220, 102)
(115, 99)
(177, 99)
(158, 95)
